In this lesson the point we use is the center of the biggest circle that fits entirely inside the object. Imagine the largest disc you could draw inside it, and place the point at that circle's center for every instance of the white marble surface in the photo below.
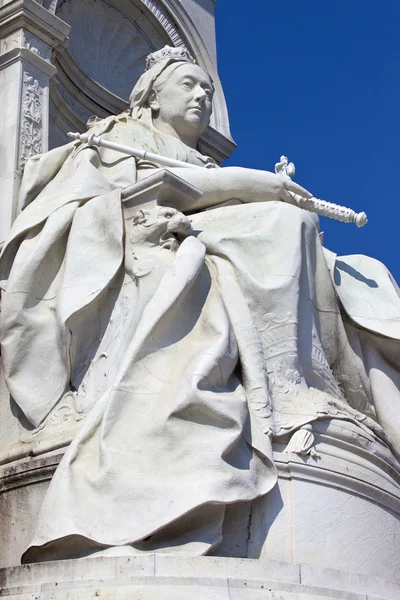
(152, 577)
(305, 519)
(144, 317)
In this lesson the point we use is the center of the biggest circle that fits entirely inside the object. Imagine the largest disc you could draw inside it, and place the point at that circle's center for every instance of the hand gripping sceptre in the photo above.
(322, 207)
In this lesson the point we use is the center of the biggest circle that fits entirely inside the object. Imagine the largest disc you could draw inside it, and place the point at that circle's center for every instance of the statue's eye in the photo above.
(168, 215)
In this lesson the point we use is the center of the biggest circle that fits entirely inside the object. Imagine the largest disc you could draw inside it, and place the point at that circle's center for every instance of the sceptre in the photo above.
(283, 168)
(321, 207)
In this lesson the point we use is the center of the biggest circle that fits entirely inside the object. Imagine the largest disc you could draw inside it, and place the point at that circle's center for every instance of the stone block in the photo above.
(210, 566)
(179, 578)
(350, 582)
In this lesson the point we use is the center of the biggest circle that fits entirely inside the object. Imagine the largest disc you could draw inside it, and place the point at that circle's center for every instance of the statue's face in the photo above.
(184, 101)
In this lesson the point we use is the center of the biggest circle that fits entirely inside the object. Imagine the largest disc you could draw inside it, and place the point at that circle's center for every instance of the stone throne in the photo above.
(330, 528)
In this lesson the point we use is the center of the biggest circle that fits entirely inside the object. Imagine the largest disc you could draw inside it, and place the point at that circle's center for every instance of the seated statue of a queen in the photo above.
(190, 339)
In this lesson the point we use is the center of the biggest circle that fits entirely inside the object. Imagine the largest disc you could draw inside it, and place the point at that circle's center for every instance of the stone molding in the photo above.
(29, 33)
(362, 480)
(162, 17)
(29, 471)
(214, 143)
(30, 16)
(373, 475)
(28, 57)
(151, 576)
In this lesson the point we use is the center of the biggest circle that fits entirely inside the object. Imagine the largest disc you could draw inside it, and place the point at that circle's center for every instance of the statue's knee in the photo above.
(290, 213)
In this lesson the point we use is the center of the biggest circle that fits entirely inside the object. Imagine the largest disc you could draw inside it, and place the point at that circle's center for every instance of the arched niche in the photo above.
(109, 42)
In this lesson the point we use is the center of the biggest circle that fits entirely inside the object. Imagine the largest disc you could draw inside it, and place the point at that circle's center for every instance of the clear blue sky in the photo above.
(319, 81)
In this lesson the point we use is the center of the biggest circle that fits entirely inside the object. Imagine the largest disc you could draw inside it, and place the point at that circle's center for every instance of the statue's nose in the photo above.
(199, 94)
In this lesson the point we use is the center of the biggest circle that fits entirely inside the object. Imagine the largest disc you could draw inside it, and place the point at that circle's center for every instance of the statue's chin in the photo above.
(193, 126)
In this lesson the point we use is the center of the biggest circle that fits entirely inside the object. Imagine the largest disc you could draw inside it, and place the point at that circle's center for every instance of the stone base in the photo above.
(340, 509)
(159, 577)
(336, 514)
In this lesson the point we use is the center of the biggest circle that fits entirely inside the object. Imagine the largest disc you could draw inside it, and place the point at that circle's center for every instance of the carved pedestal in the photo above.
(330, 529)
(156, 577)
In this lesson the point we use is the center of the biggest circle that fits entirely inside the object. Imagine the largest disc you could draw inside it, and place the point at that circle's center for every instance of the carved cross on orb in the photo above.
(285, 168)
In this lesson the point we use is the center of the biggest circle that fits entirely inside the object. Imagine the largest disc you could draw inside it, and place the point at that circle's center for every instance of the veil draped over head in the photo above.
(140, 93)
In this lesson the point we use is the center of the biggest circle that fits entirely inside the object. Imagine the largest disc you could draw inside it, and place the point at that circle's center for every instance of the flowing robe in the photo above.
(188, 363)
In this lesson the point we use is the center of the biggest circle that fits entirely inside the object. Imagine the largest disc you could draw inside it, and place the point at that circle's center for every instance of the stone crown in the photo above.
(180, 53)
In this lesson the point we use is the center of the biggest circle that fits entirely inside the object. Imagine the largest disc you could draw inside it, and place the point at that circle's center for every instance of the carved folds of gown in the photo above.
(186, 359)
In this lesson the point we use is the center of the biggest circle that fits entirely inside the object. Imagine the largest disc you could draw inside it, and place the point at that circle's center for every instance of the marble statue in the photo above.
(189, 335)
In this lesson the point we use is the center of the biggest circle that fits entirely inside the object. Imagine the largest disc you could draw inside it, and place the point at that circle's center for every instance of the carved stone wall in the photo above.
(29, 35)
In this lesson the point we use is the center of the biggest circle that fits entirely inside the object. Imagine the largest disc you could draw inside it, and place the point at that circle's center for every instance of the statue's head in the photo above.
(174, 94)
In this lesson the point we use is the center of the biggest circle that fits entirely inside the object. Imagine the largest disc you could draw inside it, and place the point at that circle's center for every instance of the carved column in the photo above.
(29, 34)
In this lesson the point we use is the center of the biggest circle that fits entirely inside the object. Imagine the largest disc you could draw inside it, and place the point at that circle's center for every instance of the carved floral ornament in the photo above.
(31, 119)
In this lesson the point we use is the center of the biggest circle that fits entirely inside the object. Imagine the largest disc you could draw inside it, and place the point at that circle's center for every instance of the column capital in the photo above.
(34, 20)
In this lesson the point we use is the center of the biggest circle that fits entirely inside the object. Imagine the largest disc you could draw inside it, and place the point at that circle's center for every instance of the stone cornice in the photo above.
(29, 15)
(16, 54)
(343, 464)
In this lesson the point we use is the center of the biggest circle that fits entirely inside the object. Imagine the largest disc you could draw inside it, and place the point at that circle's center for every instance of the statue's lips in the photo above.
(196, 109)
